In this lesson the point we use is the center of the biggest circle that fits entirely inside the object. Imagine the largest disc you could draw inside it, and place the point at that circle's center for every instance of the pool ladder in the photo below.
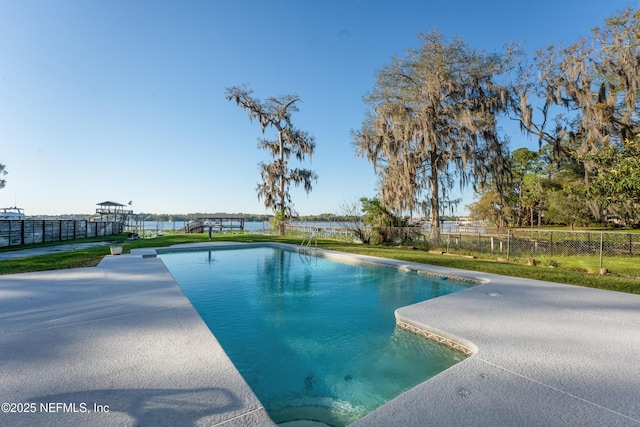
(308, 240)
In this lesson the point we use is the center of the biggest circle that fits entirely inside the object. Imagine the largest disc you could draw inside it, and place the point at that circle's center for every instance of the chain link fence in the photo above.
(589, 251)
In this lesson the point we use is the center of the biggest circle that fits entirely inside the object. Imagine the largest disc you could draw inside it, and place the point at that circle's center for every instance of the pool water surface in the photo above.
(314, 338)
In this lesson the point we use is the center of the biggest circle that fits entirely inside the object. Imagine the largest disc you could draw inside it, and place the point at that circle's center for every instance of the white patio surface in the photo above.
(120, 345)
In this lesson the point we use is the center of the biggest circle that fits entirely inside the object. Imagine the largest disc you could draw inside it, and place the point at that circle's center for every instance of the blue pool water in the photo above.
(314, 338)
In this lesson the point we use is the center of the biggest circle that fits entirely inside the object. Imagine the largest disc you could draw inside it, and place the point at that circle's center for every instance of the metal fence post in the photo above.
(601, 247)
(508, 243)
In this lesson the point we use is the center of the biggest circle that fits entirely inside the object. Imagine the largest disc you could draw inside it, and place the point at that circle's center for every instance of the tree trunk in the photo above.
(531, 215)
(435, 200)
(281, 225)
(520, 210)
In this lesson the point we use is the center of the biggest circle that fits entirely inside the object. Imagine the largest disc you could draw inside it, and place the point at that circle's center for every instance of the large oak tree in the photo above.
(434, 119)
(583, 101)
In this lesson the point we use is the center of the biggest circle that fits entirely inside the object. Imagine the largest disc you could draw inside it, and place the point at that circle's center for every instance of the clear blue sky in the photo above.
(125, 100)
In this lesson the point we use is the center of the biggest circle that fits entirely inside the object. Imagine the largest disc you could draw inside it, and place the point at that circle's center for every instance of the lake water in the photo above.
(447, 226)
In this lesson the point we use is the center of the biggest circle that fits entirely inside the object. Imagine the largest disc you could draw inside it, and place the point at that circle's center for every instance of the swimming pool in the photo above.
(314, 338)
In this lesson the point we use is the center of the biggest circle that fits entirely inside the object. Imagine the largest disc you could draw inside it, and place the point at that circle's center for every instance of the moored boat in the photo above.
(12, 214)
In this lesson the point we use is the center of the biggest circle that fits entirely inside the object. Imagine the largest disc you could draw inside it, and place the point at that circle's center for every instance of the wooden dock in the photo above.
(217, 223)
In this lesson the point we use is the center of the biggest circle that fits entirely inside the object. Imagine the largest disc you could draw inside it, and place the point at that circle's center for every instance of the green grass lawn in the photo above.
(562, 273)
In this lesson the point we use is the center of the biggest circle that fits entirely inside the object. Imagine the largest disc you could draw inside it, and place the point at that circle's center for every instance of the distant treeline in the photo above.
(193, 216)
(325, 217)
(248, 217)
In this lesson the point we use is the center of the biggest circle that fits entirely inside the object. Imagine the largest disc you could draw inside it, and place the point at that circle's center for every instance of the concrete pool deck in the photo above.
(120, 345)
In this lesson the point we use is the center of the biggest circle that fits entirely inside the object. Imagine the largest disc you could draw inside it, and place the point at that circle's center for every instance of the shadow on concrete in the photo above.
(146, 407)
